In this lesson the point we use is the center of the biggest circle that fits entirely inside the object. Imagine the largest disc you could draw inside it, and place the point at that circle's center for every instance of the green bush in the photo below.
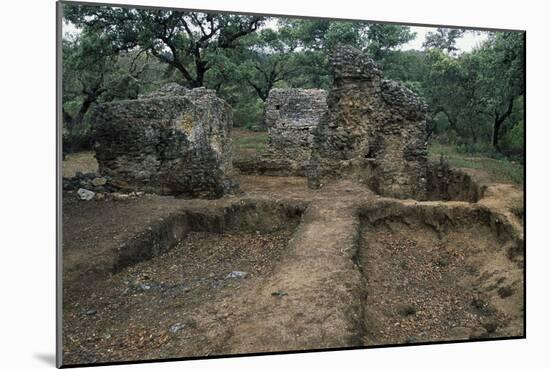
(248, 113)
(77, 139)
(512, 143)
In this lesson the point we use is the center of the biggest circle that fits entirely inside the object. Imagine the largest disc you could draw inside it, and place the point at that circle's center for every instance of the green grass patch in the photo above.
(500, 170)
(256, 141)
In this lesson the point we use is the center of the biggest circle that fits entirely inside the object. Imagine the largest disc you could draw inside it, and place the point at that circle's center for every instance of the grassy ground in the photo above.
(247, 144)
(246, 140)
(500, 170)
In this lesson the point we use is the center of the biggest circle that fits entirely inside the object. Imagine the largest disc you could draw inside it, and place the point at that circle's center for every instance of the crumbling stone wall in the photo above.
(290, 116)
(374, 130)
(174, 141)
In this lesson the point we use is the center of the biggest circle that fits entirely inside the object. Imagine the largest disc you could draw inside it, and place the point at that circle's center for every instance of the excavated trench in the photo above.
(337, 269)
(171, 284)
(439, 272)
(253, 217)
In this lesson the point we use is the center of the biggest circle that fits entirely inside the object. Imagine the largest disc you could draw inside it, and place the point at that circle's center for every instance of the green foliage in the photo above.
(500, 168)
(475, 99)
(443, 39)
(248, 113)
(513, 142)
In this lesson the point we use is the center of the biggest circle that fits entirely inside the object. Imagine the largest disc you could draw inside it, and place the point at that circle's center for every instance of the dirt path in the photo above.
(306, 304)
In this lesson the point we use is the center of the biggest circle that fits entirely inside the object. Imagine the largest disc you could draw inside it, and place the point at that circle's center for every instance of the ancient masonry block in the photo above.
(290, 116)
(374, 130)
(174, 141)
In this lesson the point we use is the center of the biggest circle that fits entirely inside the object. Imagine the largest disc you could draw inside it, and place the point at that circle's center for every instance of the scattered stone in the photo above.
(175, 328)
(99, 196)
(505, 292)
(120, 196)
(99, 181)
(217, 284)
(279, 293)
(490, 326)
(91, 312)
(443, 261)
(237, 274)
(407, 310)
(85, 194)
(119, 184)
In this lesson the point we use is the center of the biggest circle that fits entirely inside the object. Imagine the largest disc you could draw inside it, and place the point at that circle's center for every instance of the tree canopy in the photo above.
(474, 97)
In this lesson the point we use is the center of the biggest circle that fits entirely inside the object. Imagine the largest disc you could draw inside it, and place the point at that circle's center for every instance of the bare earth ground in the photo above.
(335, 279)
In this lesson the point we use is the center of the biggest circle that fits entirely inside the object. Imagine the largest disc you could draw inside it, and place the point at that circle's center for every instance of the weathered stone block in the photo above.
(290, 116)
(374, 130)
(174, 141)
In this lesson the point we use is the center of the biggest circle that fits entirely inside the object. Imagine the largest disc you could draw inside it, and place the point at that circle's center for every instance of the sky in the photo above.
(466, 43)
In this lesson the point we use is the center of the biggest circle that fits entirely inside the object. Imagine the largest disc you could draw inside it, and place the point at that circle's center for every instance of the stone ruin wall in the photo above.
(174, 141)
(290, 116)
(374, 130)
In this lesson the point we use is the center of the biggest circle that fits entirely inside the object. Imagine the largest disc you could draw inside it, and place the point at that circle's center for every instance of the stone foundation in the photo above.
(374, 130)
(174, 141)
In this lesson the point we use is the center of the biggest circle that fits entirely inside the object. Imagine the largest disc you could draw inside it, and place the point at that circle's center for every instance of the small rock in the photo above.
(123, 185)
(490, 327)
(99, 196)
(175, 328)
(120, 196)
(237, 274)
(99, 181)
(217, 284)
(407, 310)
(505, 292)
(279, 293)
(91, 312)
(84, 194)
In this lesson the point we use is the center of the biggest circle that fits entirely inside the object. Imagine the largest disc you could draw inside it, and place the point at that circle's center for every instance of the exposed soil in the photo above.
(424, 285)
(336, 267)
(172, 305)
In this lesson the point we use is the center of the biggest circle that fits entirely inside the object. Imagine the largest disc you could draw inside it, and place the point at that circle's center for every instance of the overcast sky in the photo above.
(466, 43)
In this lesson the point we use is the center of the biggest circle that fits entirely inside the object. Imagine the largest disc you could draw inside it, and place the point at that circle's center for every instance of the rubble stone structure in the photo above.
(374, 130)
(174, 141)
(290, 116)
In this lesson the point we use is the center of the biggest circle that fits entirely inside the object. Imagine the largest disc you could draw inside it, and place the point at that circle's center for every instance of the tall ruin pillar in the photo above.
(374, 130)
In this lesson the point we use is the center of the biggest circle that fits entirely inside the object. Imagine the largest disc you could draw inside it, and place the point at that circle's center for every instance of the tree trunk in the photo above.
(499, 119)
(496, 128)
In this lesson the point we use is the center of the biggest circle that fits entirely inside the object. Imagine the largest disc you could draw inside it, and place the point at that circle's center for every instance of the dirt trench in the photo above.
(438, 272)
(338, 267)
